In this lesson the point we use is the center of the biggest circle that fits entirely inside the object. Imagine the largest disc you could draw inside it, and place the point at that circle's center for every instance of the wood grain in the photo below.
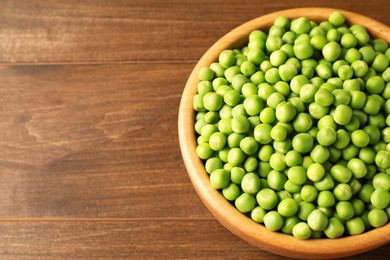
(93, 141)
(99, 30)
(141, 239)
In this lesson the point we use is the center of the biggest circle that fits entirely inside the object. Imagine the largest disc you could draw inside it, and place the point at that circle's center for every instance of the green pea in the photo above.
(377, 217)
(245, 202)
(251, 183)
(237, 174)
(343, 114)
(381, 181)
(236, 156)
(360, 138)
(302, 142)
(267, 199)
(380, 198)
(357, 167)
(249, 145)
(253, 105)
(273, 221)
(217, 141)
(320, 154)
(303, 50)
(355, 226)
(267, 115)
(326, 183)
(342, 192)
(285, 112)
(309, 193)
(302, 230)
(257, 214)
(341, 173)
(344, 210)
(276, 180)
(331, 51)
(317, 220)
(262, 133)
(335, 228)
(231, 192)
(219, 179)
(287, 207)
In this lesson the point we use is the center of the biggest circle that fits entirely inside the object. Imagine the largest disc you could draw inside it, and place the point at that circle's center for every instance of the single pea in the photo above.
(289, 37)
(206, 74)
(287, 207)
(331, 51)
(285, 112)
(317, 220)
(234, 139)
(323, 97)
(375, 85)
(307, 93)
(367, 155)
(352, 55)
(344, 210)
(237, 174)
(302, 142)
(360, 138)
(223, 154)
(249, 145)
(231, 192)
(336, 18)
(204, 151)
(257, 214)
(287, 71)
(302, 122)
(279, 133)
(315, 172)
(365, 192)
(355, 226)
(300, 25)
(381, 181)
(227, 58)
(358, 99)
(377, 217)
(326, 183)
(257, 34)
(236, 156)
(248, 68)
(348, 41)
(326, 136)
(323, 71)
(217, 141)
(302, 230)
(289, 223)
(335, 228)
(265, 152)
(293, 158)
(253, 105)
(273, 43)
(326, 199)
(213, 164)
(360, 68)
(342, 192)
(262, 133)
(256, 55)
(219, 179)
(267, 199)
(297, 175)
(320, 154)
(245, 202)
(380, 198)
(380, 63)
(204, 87)
(276, 180)
(267, 115)
(303, 50)
(341, 173)
(251, 183)
(317, 111)
(309, 193)
(357, 167)
(239, 124)
(277, 161)
(251, 164)
(273, 221)
(343, 114)
(292, 187)
(368, 54)
(345, 72)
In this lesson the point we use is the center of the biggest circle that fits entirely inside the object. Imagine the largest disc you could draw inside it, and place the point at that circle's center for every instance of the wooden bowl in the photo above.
(232, 219)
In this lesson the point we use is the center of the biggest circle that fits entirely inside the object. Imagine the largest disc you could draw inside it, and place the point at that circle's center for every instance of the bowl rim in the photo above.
(236, 222)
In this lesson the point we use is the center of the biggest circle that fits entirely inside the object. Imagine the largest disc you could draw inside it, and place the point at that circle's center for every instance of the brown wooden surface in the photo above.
(90, 165)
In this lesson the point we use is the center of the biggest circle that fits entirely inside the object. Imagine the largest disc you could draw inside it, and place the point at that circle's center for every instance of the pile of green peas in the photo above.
(294, 128)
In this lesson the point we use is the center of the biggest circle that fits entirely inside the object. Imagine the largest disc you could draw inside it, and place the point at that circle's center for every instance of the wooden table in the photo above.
(90, 165)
